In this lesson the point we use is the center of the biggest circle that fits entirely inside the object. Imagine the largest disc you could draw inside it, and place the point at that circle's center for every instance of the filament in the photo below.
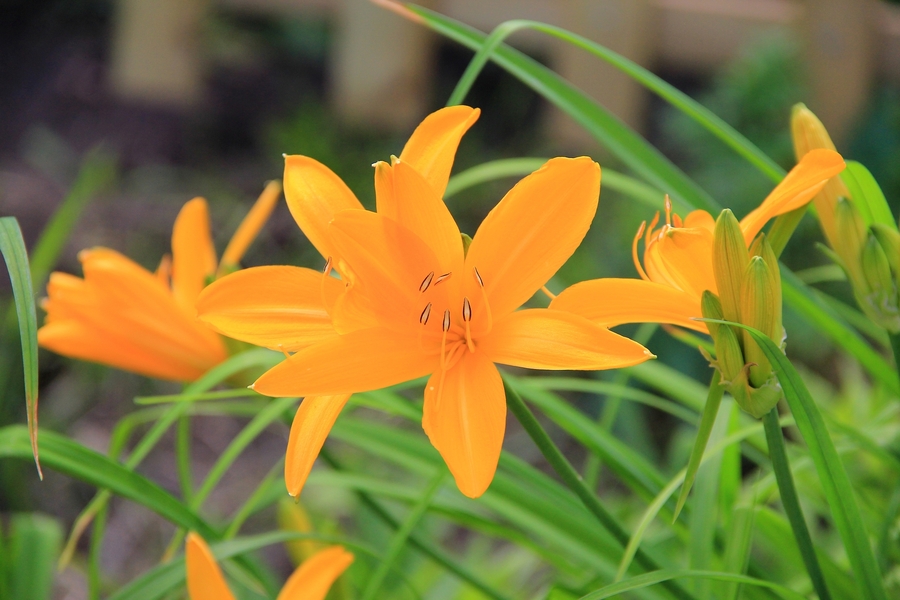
(484, 298)
(668, 204)
(550, 294)
(634, 252)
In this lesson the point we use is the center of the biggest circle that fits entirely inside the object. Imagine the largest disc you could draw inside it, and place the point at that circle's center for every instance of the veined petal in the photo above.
(432, 146)
(314, 195)
(610, 302)
(528, 236)
(250, 226)
(204, 577)
(386, 263)
(360, 361)
(803, 182)
(465, 419)
(313, 579)
(193, 253)
(682, 258)
(420, 209)
(283, 308)
(541, 338)
(312, 424)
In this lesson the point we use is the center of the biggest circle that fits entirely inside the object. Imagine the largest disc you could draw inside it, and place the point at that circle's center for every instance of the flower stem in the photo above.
(183, 457)
(778, 455)
(575, 483)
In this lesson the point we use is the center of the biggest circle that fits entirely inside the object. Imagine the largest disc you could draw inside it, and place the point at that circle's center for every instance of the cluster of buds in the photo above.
(867, 251)
(749, 292)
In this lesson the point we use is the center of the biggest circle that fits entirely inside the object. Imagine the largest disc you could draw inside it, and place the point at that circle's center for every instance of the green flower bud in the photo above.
(880, 303)
(758, 309)
(762, 399)
(711, 308)
(761, 247)
(730, 260)
(851, 237)
(889, 238)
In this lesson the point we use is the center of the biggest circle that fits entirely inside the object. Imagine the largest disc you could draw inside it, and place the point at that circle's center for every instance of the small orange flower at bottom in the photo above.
(124, 316)
(311, 580)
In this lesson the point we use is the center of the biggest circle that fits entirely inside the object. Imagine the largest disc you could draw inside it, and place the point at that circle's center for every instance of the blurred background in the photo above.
(181, 98)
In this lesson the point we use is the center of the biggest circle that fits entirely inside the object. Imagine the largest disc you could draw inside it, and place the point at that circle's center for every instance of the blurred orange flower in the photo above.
(124, 316)
(311, 581)
(417, 298)
(678, 257)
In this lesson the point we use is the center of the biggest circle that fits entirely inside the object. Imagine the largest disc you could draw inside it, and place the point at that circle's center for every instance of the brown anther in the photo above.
(328, 266)
(426, 282)
(442, 278)
(423, 318)
(478, 277)
(668, 204)
(446, 324)
(467, 310)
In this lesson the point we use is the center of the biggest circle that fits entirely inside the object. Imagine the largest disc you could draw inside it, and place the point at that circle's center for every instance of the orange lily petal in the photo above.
(313, 579)
(432, 146)
(204, 577)
(610, 302)
(386, 263)
(360, 361)
(314, 195)
(803, 182)
(193, 253)
(541, 338)
(250, 226)
(283, 308)
(465, 419)
(528, 236)
(312, 424)
(421, 210)
(699, 218)
(682, 258)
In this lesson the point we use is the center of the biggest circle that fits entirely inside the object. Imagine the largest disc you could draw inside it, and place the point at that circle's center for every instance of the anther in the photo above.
(478, 277)
(426, 282)
(442, 278)
(423, 318)
(328, 266)
(446, 324)
(668, 204)
(467, 310)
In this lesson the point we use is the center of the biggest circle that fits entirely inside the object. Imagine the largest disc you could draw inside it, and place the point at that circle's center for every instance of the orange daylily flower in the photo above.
(311, 580)
(412, 301)
(678, 257)
(124, 316)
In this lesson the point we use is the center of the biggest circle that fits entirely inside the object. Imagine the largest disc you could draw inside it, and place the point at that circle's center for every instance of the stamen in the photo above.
(550, 294)
(443, 278)
(467, 317)
(446, 327)
(328, 266)
(423, 318)
(484, 299)
(634, 252)
(446, 324)
(478, 277)
(283, 351)
(650, 227)
(327, 272)
(426, 282)
(668, 204)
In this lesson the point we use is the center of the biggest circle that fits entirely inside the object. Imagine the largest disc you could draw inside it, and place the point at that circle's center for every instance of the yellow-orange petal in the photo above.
(682, 258)
(541, 338)
(528, 236)
(800, 185)
(610, 302)
(204, 577)
(432, 146)
(421, 210)
(278, 307)
(314, 194)
(313, 579)
(250, 226)
(699, 218)
(312, 424)
(464, 416)
(193, 253)
(360, 361)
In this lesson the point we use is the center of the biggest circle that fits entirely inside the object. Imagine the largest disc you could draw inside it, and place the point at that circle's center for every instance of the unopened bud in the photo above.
(758, 309)
(762, 248)
(711, 308)
(730, 260)
(889, 238)
(851, 237)
(880, 303)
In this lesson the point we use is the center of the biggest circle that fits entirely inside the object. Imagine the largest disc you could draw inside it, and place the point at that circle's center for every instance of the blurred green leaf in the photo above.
(648, 579)
(867, 195)
(33, 544)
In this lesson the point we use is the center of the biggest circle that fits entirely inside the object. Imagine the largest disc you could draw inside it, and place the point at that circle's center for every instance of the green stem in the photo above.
(895, 346)
(575, 483)
(785, 480)
(425, 547)
(250, 505)
(94, 572)
(401, 536)
(183, 457)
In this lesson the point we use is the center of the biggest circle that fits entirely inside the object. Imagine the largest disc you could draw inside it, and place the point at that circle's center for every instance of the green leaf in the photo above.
(16, 256)
(835, 483)
(73, 459)
(632, 149)
(648, 579)
(679, 100)
(710, 410)
(34, 543)
(867, 195)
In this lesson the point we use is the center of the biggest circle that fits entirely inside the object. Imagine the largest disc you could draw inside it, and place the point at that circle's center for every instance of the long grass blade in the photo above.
(669, 575)
(16, 256)
(708, 418)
